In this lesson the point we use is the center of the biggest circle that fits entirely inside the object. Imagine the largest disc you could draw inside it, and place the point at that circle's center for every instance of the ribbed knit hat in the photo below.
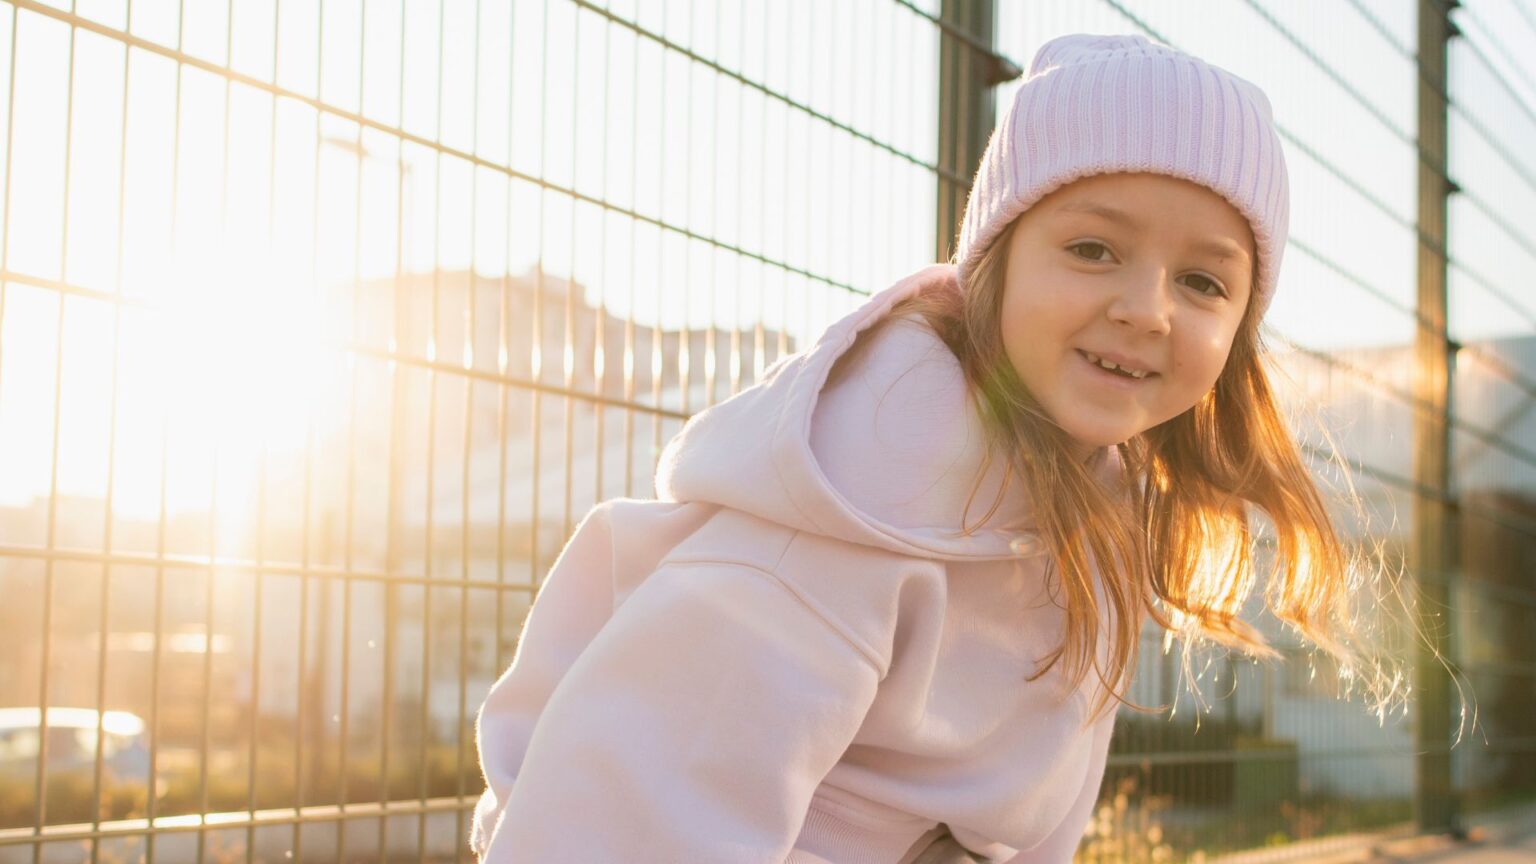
(1101, 104)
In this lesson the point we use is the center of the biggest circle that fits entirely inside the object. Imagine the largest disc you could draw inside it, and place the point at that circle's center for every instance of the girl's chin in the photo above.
(1091, 427)
(1089, 439)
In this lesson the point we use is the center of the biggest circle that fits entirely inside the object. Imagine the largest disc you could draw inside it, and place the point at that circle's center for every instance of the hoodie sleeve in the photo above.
(1062, 843)
(695, 726)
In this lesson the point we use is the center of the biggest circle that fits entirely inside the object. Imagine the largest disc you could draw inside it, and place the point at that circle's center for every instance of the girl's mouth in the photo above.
(1113, 372)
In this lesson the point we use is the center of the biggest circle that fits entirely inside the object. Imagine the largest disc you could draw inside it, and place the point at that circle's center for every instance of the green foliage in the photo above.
(68, 798)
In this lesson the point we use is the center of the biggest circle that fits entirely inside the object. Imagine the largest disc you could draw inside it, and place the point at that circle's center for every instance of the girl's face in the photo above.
(1149, 272)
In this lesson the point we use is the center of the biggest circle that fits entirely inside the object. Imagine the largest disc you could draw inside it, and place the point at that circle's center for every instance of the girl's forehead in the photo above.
(1136, 189)
(1143, 203)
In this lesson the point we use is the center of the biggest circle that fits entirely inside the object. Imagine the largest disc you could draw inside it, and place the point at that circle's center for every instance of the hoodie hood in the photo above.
(884, 453)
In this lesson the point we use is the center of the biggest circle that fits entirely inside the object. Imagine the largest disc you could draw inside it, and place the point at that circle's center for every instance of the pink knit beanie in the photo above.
(1101, 104)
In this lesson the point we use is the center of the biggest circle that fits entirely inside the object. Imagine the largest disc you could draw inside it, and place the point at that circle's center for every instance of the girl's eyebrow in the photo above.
(1221, 249)
(1211, 246)
(1103, 211)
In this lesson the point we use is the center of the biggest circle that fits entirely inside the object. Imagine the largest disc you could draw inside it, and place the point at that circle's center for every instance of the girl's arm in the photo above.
(1059, 847)
(695, 726)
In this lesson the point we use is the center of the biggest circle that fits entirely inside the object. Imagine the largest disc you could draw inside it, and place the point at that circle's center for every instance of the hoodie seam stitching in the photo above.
(868, 654)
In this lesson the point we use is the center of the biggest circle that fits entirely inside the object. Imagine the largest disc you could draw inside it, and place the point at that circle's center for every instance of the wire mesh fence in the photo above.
(323, 322)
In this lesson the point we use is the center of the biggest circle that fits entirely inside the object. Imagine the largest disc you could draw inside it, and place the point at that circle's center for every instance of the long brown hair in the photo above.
(1173, 536)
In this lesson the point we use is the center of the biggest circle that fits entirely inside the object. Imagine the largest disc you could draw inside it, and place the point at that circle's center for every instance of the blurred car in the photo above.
(72, 742)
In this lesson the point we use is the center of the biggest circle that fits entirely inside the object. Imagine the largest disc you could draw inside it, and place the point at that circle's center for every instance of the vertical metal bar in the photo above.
(308, 701)
(629, 320)
(395, 452)
(302, 696)
(762, 214)
(345, 726)
(900, 132)
(805, 220)
(104, 621)
(202, 768)
(685, 328)
(733, 341)
(502, 355)
(712, 285)
(949, 109)
(97, 761)
(213, 500)
(423, 765)
(159, 618)
(256, 601)
(396, 470)
(758, 334)
(735, 370)
(53, 471)
(966, 109)
(600, 317)
(469, 420)
(829, 159)
(464, 553)
(568, 338)
(822, 274)
(536, 364)
(887, 239)
(261, 487)
(10, 150)
(661, 271)
(5, 248)
(160, 530)
(783, 347)
(1434, 558)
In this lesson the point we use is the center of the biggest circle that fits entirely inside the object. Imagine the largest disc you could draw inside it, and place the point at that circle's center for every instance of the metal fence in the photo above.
(322, 323)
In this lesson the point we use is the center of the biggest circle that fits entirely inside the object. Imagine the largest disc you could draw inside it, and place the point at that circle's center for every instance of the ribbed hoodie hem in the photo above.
(826, 838)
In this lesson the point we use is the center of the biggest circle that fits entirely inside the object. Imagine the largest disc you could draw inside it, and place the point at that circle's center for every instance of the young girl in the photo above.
(890, 596)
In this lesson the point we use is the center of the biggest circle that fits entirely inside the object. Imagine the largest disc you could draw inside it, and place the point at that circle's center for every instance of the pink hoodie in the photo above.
(792, 656)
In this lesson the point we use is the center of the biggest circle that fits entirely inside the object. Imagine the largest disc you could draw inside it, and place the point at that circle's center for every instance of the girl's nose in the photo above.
(1145, 304)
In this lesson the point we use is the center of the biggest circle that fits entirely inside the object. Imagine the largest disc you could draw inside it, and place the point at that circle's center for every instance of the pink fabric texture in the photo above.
(795, 655)
(1101, 104)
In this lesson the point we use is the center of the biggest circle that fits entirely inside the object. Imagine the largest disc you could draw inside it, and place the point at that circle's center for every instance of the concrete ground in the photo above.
(1505, 838)
(1511, 850)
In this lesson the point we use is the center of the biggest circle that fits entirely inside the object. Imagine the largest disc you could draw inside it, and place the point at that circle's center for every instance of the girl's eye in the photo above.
(1210, 287)
(1090, 245)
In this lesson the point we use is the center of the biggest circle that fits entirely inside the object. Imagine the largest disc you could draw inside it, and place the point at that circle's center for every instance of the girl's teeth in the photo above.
(1105, 364)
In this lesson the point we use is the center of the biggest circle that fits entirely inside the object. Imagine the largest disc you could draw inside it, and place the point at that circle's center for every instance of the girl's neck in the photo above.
(1084, 453)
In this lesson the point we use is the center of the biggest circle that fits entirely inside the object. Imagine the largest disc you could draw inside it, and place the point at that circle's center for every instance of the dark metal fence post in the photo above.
(968, 70)
(1434, 555)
